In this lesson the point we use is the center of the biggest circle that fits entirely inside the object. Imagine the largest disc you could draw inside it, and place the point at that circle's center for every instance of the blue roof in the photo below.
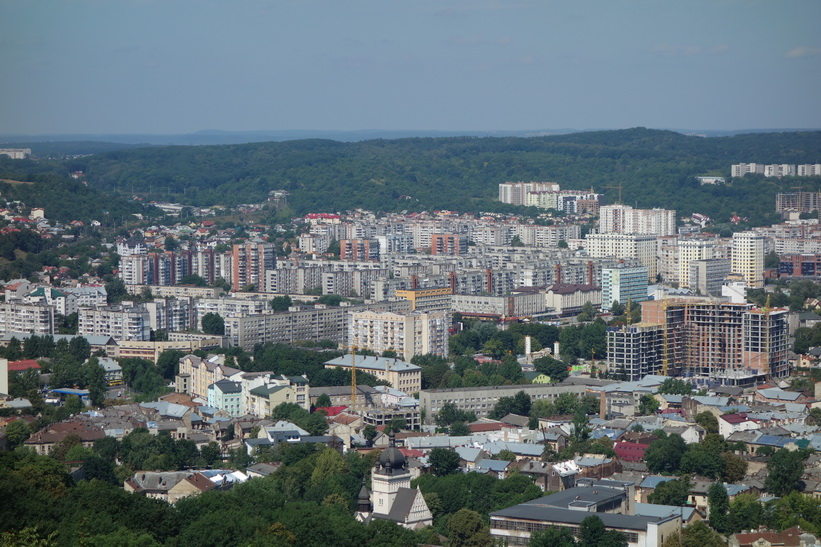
(654, 480)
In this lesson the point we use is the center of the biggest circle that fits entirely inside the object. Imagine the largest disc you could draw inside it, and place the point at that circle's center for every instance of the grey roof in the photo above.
(227, 386)
(535, 511)
(402, 504)
(660, 511)
(497, 466)
(368, 362)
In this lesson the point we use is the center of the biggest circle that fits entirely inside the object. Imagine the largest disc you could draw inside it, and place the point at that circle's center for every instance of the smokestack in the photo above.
(558, 273)
(556, 349)
(590, 273)
(527, 346)
(602, 406)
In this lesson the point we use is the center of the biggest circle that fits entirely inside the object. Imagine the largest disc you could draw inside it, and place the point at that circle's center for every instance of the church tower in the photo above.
(391, 474)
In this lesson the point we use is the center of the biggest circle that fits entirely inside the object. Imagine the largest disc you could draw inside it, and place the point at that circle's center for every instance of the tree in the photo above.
(443, 461)
(746, 513)
(213, 323)
(281, 303)
(719, 503)
(708, 421)
(648, 404)
(674, 386)
(557, 370)
(518, 404)
(555, 536)
(664, 454)
(370, 433)
(17, 432)
(672, 492)
(459, 429)
(467, 529)
(323, 400)
(580, 431)
(735, 467)
(784, 472)
(592, 532)
(697, 534)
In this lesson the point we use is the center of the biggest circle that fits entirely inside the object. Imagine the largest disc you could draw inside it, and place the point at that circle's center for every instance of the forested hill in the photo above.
(656, 169)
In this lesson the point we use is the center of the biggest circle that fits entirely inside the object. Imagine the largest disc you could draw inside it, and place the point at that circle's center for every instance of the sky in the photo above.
(180, 66)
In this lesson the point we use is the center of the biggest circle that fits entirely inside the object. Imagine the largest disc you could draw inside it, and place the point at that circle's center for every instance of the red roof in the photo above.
(25, 364)
(331, 410)
(411, 452)
(630, 452)
(479, 428)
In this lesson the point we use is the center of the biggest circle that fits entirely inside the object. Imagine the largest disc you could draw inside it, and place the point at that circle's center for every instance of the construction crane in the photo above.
(353, 373)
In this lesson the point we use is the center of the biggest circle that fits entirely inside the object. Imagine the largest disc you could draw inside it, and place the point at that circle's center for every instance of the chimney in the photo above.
(602, 406)
(558, 273)
(527, 346)
(556, 349)
(590, 273)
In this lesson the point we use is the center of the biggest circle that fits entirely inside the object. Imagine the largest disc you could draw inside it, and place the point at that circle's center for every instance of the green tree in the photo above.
(784, 472)
(213, 323)
(672, 492)
(466, 528)
(674, 386)
(555, 536)
(746, 513)
(708, 421)
(664, 454)
(735, 467)
(697, 534)
(719, 503)
(459, 429)
(648, 405)
(443, 461)
(557, 370)
(281, 303)
(592, 532)
(323, 400)
(17, 432)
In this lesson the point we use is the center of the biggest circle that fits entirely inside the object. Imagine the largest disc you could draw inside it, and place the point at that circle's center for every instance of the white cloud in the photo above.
(802, 51)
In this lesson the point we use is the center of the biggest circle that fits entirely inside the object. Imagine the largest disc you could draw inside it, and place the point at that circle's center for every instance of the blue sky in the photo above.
(178, 66)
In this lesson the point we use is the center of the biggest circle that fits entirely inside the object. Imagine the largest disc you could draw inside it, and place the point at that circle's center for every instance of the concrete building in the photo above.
(748, 258)
(120, 322)
(427, 299)
(448, 244)
(226, 396)
(688, 251)
(400, 374)
(734, 344)
(623, 219)
(35, 318)
(515, 193)
(616, 245)
(196, 374)
(623, 284)
(250, 262)
(611, 501)
(523, 302)
(410, 334)
(481, 400)
(707, 275)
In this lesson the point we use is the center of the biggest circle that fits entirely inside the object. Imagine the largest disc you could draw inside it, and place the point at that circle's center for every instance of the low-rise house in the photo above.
(192, 485)
(732, 423)
(791, 537)
(43, 441)
(497, 468)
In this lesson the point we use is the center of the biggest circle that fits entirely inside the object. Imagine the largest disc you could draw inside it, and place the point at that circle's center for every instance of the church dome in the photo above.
(392, 458)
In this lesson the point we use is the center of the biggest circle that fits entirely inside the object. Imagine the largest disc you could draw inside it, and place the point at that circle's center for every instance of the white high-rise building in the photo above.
(748, 258)
(642, 247)
(689, 250)
(623, 219)
(515, 193)
(406, 334)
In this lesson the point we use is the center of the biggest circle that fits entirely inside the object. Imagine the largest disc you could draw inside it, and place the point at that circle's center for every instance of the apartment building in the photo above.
(688, 251)
(707, 275)
(624, 219)
(748, 258)
(639, 246)
(623, 284)
(522, 302)
(196, 374)
(427, 299)
(515, 193)
(448, 244)
(407, 334)
(481, 400)
(36, 318)
(250, 261)
(735, 344)
(119, 322)
(400, 374)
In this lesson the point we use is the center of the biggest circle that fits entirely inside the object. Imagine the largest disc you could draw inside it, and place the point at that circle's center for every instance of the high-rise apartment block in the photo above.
(748, 258)
(623, 219)
(642, 247)
(707, 275)
(734, 344)
(250, 262)
(515, 193)
(688, 251)
(448, 244)
(623, 284)
(406, 334)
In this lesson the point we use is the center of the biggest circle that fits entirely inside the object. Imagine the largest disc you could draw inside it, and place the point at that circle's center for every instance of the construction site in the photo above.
(708, 341)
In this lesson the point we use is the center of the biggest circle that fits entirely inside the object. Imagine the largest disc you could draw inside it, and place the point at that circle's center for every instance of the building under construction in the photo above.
(731, 344)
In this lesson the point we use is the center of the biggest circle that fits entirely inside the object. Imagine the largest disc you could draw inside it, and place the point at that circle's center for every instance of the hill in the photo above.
(655, 169)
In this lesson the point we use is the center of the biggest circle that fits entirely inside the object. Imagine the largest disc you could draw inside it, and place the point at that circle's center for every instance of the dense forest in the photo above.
(655, 169)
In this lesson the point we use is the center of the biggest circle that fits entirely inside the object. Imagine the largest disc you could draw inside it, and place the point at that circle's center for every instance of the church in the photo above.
(391, 497)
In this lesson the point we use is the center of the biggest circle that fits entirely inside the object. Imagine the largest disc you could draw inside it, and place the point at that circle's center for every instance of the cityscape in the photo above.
(438, 273)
